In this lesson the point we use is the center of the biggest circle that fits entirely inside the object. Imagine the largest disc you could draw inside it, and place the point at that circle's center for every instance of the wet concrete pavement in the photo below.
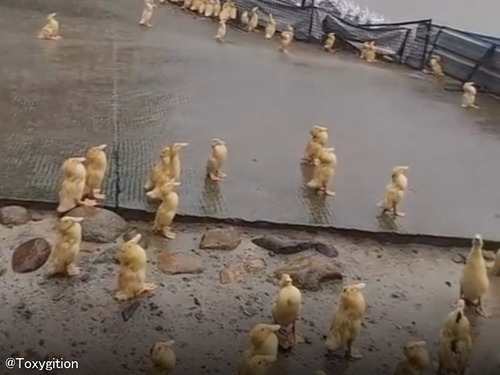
(109, 81)
(409, 292)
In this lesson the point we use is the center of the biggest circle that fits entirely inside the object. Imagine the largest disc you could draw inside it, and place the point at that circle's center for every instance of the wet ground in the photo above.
(109, 81)
(409, 291)
(456, 14)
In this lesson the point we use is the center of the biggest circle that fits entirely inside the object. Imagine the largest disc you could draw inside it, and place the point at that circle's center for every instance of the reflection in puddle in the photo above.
(212, 201)
(319, 212)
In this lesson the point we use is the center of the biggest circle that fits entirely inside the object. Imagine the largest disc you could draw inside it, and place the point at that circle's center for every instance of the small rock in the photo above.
(237, 271)
(179, 263)
(308, 270)
(459, 259)
(197, 301)
(220, 239)
(248, 310)
(3, 270)
(31, 255)
(100, 225)
(132, 232)
(286, 247)
(448, 283)
(14, 215)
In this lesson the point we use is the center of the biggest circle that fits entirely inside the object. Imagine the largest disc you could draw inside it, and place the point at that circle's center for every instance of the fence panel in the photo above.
(390, 40)
(285, 12)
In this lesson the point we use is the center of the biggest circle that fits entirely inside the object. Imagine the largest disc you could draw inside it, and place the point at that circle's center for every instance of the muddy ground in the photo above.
(109, 81)
(409, 291)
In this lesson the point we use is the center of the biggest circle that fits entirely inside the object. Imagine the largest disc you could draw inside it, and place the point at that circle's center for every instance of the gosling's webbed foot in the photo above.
(330, 193)
(167, 232)
(213, 177)
(122, 296)
(221, 174)
(354, 354)
(148, 287)
(98, 195)
(89, 203)
(73, 270)
(400, 214)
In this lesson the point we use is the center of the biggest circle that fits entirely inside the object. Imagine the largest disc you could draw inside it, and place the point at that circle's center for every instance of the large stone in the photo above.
(179, 262)
(31, 255)
(288, 246)
(14, 215)
(220, 239)
(100, 225)
(238, 271)
(309, 269)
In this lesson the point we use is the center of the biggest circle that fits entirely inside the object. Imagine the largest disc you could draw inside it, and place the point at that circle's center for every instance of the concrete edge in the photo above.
(380, 236)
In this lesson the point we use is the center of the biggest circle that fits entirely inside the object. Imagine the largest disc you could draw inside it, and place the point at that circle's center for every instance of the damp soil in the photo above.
(409, 292)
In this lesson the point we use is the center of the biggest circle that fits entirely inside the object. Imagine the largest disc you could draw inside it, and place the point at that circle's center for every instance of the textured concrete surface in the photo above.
(409, 292)
(109, 81)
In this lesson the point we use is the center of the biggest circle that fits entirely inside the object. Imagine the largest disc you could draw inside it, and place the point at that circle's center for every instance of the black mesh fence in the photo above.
(465, 56)
(285, 12)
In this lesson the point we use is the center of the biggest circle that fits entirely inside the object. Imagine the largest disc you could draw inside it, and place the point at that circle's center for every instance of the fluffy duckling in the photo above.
(346, 322)
(324, 169)
(469, 96)
(175, 160)
(256, 365)
(209, 8)
(217, 8)
(287, 305)
(437, 69)
(51, 29)
(395, 191)
(96, 164)
(233, 14)
(263, 341)
(317, 140)
(221, 32)
(474, 282)
(225, 13)
(159, 175)
(163, 357)
(195, 5)
(217, 160)
(329, 42)
(270, 27)
(147, 13)
(254, 19)
(72, 188)
(455, 341)
(369, 52)
(286, 39)
(244, 18)
(201, 7)
(416, 360)
(132, 276)
(167, 210)
(65, 252)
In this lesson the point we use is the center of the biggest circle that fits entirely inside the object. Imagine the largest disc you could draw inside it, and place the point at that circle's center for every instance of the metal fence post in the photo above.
(480, 63)
(427, 38)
